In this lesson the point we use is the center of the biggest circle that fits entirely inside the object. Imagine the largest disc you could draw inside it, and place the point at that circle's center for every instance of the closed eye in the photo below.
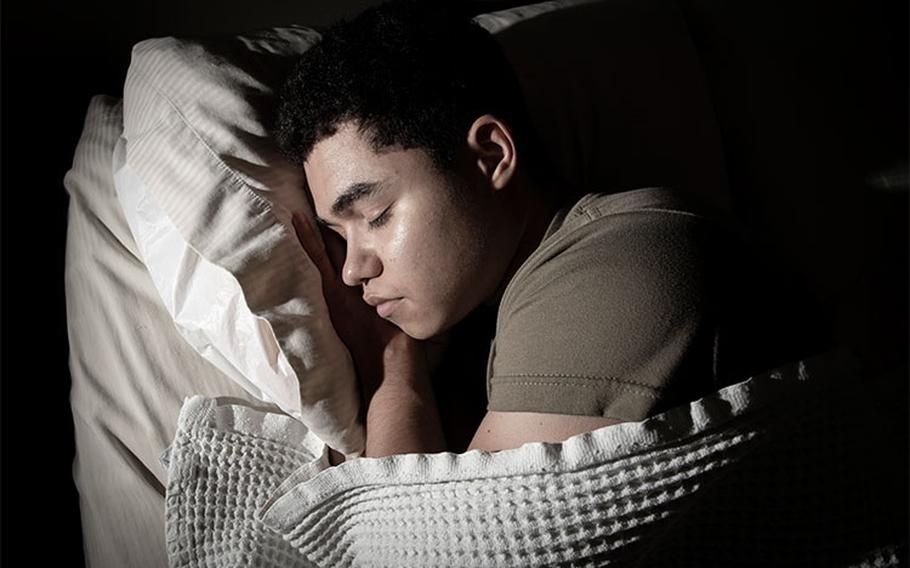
(381, 219)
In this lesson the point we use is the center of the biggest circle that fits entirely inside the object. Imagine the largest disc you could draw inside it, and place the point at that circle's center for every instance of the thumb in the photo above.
(312, 243)
(335, 249)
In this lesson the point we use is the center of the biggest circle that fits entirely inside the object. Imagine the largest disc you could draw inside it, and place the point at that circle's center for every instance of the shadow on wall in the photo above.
(811, 100)
(619, 98)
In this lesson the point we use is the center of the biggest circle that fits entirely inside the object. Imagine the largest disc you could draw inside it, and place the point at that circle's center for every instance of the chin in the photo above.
(418, 332)
(421, 329)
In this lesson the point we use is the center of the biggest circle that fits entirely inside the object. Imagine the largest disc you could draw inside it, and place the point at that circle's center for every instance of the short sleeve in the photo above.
(611, 318)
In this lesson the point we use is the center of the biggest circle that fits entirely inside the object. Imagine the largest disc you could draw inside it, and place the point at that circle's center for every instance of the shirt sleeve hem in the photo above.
(565, 394)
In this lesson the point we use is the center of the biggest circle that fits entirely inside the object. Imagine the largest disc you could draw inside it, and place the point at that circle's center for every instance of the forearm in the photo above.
(402, 416)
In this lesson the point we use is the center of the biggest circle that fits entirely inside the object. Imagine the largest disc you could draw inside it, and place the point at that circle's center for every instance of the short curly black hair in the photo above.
(411, 74)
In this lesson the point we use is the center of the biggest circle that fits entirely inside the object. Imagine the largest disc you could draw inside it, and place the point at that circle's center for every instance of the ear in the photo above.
(493, 148)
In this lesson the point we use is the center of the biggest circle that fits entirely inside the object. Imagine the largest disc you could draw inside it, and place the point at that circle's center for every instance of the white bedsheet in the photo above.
(786, 469)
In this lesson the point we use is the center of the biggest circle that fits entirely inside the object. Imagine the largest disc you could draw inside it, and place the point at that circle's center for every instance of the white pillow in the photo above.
(205, 300)
(210, 201)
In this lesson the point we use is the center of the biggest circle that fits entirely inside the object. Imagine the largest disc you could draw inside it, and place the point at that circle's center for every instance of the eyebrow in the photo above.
(353, 193)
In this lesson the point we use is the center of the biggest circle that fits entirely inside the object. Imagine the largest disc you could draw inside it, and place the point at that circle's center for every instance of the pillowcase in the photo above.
(202, 297)
(210, 199)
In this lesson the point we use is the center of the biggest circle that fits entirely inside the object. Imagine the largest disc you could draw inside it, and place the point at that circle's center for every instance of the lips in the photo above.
(384, 306)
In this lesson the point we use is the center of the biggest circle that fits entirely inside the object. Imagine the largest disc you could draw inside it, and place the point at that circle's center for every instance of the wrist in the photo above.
(403, 418)
(404, 361)
(399, 362)
(402, 346)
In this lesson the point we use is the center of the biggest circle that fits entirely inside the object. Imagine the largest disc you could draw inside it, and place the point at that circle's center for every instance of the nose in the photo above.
(360, 265)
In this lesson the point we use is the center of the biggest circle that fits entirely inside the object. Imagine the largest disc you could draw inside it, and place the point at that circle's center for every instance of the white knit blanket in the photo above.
(792, 468)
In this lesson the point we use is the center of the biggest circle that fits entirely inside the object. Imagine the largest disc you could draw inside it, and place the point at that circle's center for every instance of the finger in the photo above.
(312, 244)
(307, 236)
(336, 249)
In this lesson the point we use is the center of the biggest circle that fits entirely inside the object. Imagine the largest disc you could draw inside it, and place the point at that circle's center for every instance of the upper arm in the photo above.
(506, 430)
(615, 322)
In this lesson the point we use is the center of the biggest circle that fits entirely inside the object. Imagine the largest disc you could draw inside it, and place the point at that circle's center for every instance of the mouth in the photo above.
(385, 309)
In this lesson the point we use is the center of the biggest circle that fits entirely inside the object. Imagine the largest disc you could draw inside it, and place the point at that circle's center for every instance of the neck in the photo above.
(538, 205)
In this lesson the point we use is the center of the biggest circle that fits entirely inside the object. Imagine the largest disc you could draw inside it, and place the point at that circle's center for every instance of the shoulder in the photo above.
(595, 320)
(645, 235)
(644, 203)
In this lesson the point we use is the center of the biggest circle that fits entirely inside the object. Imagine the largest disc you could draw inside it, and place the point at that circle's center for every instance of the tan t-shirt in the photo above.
(626, 309)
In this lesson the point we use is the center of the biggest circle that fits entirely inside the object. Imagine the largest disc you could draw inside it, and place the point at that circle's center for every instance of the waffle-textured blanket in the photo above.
(785, 469)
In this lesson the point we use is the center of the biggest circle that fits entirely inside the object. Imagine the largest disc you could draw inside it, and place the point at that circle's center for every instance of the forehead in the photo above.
(340, 157)
(347, 158)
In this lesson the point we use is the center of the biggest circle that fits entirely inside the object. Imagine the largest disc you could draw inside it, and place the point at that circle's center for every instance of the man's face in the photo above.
(411, 234)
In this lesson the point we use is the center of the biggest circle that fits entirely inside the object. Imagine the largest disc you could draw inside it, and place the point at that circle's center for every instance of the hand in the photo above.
(366, 335)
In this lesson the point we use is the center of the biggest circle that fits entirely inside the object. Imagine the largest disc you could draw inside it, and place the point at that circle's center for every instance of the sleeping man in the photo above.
(435, 202)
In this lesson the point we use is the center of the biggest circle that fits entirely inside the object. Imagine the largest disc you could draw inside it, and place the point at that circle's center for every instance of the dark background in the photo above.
(811, 98)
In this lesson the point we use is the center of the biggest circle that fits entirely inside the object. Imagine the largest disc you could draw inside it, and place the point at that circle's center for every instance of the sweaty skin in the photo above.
(440, 249)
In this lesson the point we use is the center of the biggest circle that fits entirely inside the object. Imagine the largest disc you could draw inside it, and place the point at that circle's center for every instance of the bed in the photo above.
(191, 358)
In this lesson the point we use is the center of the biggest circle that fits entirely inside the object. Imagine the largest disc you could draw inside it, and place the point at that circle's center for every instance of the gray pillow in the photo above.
(617, 95)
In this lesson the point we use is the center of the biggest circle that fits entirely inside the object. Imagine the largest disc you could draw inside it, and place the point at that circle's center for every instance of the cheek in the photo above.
(435, 256)
(414, 269)
(408, 253)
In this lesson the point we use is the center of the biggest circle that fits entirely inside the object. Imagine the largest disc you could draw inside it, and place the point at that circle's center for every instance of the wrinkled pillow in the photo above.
(211, 200)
